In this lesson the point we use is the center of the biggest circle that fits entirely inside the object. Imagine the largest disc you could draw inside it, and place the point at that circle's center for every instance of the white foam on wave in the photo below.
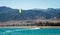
(21, 29)
(8, 31)
(27, 29)
(5, 32)
(35, 28)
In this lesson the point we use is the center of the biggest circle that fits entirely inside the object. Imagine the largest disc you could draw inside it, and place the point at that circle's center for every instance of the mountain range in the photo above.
(8, 14)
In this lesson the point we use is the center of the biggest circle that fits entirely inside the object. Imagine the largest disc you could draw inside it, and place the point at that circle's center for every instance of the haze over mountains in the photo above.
(8, 14)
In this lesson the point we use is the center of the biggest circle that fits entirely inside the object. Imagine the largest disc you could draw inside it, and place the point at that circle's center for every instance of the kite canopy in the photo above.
(20, 10)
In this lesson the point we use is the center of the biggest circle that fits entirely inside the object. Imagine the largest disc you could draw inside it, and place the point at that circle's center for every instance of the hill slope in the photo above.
(7, 14)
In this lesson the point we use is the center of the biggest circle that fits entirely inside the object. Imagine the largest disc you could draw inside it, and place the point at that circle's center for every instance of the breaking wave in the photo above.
(16, 30)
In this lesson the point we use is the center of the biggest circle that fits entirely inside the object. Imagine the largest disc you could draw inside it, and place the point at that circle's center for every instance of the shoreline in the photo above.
(31, 27)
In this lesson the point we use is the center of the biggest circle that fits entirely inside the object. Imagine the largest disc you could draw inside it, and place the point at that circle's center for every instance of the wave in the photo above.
(26, 29)
(35, 28)
(9, 31)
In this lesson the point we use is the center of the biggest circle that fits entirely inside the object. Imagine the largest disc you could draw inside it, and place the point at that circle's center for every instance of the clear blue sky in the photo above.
(30, 4)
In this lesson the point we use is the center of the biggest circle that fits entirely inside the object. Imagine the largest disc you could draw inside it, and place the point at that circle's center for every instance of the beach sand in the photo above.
(30, 27)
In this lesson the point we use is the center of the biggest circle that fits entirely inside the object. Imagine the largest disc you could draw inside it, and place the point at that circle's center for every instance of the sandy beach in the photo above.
(31, 27)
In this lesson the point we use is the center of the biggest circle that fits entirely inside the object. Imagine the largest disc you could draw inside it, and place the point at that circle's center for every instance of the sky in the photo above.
(30, 4)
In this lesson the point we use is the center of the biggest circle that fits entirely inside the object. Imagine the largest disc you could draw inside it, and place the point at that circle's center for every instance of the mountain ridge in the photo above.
(7, 14)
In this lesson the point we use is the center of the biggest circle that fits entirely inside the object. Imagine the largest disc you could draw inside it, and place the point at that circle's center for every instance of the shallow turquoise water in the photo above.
(29, 31)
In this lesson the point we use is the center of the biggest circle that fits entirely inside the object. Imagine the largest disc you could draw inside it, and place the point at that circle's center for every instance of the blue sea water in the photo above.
(29, 31)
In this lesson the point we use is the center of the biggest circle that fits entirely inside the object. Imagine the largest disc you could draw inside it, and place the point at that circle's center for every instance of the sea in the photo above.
(29, 31)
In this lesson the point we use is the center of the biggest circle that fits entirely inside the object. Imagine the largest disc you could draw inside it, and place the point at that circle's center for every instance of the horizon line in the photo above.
(30, 8)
